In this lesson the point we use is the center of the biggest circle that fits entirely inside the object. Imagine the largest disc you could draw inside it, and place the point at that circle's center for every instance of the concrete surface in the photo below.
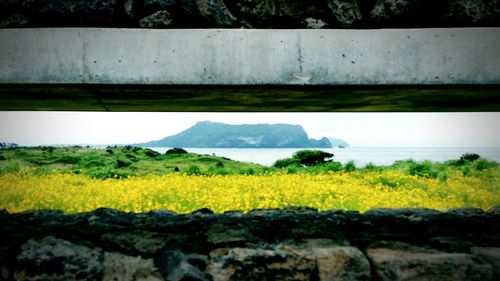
(250, 57)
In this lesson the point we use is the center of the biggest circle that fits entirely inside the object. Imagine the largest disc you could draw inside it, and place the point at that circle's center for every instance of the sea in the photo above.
(360, 155)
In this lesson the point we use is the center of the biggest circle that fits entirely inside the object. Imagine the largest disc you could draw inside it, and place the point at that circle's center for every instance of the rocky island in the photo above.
(207, 134)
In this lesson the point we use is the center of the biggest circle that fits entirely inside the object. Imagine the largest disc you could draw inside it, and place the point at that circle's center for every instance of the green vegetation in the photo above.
(122, 162)
(118, 162)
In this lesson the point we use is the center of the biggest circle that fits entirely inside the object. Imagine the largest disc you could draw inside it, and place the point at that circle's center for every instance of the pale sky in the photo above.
(358, 129)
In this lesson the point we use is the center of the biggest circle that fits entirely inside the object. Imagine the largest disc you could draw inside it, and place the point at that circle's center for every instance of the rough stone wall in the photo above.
(289, 244)
(249, 13)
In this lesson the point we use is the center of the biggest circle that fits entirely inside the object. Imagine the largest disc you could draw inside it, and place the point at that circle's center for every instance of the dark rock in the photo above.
(7, 259)
(234, 213)
(127, 268)
(15, 20)
(313, 23)
(270, 213)
(162, 213)
(259, 13)
(426, 265)
(226, 235)
(151, 6)
(490, 255)
(55, 259)
(334, 262)
(175, 266)
(260, 264)
(215, 12)
(450, 244)
(464, 212)
(135, 242)
(197, 260)
(129, 9)
(462, 12)
(346, 12)
(412, 214)
(157, 20)
(401, 246)
(392, 11)
(74, 13)
(300, 10)
(203, 211)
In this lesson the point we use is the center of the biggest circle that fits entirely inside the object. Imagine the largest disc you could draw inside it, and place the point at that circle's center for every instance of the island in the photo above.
(206, 134)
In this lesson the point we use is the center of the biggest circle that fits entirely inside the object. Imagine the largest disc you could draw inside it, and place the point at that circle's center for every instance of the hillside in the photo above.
(207, 134)
(116, 162)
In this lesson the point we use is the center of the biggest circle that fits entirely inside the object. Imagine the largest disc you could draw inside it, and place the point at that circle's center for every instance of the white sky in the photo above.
(358, 129)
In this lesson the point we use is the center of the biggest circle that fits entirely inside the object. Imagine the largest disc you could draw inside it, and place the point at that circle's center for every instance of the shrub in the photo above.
(121, 163)
(93, 163)
(193, 170)
(424, 169)
(312, 157)
(11, 166)
(283, 163)
(151, 153)
(466, 171)
(469, 157)
(350, 167)
(484, 164)
(333, 166)
(68, 159)
(219, 165)
(176, 150)
(326, 167)
(107, 173)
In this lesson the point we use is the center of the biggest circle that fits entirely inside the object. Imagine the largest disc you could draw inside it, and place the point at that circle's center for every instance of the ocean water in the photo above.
(360, 155)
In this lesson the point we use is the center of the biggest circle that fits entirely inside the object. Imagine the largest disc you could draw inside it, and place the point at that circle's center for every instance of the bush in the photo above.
(151, 153)
(465, 158)
(283, 163)
(466, 171)
(484, 164)
(333, 166)
(350, 167)
(68, 159)
(326, 167)
(193, 170)
(176, 150)
(469, 157)
(93, 163)
(424, 169)
(107, 173)
(121, 163)
(312, 157)
(373, 168)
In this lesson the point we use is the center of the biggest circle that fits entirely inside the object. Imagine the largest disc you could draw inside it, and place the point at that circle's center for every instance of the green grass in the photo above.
(121, 162)
(117, 162)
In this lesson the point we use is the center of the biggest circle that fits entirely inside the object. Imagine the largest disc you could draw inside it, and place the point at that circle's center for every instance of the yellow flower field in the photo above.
(183, 194)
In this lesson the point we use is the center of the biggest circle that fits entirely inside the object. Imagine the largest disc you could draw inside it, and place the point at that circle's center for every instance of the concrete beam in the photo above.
(208, 98)
(250, 57)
